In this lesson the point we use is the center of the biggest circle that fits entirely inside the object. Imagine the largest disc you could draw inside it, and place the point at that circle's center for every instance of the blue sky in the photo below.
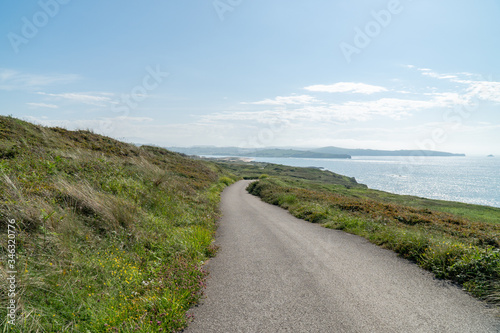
(253, 73)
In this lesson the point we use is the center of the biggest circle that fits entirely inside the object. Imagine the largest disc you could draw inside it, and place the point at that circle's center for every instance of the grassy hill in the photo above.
(109, 236)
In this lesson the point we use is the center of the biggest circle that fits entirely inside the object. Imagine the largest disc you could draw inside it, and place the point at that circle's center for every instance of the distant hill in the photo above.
(372, 152)
(296, 154)
(247, 152)
(324, 152)
(212, 150)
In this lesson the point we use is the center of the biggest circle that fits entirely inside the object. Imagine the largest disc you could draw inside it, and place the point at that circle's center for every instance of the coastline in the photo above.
(470, 179)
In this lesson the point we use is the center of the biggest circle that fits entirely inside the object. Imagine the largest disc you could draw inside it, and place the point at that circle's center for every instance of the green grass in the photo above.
(111, 237)
(300, 177)
(455, 241)
(473, 212)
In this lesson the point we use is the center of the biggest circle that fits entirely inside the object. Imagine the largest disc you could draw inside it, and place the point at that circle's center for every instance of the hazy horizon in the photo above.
(385, 75)
(291, 147)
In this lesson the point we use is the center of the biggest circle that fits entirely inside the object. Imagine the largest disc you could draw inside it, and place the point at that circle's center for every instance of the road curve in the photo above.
(276, 273)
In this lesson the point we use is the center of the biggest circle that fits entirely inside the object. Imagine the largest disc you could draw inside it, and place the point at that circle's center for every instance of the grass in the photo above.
(455, 241)
(300, 177)
(111, 237)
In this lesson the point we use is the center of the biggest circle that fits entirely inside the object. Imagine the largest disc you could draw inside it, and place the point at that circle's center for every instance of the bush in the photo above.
(286, 199)
(311, 213)
(226, 180)
(476, 264)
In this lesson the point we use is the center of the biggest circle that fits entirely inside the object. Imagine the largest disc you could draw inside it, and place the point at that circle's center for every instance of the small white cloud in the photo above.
(126, 118)
(447, 99)
(393, 108)
(439, 76)
(43, 105)
(346, 87)
(284, 100)
(14, 80)
(481, 88)
(485, 90)
(86, 98)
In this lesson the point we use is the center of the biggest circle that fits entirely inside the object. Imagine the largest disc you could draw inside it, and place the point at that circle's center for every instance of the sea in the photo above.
(474, 180)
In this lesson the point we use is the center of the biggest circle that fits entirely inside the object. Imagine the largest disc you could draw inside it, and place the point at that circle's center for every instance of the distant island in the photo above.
(373, 152)
(324, 152)
(295, 153)
(490, 156)
(276, 152)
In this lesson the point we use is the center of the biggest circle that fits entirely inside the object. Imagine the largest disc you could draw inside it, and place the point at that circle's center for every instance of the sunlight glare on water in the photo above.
(465, 179)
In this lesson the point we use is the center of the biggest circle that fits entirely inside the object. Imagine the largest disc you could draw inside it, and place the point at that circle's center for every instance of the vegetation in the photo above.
(312, 177)
(110, 237)
(455, 241)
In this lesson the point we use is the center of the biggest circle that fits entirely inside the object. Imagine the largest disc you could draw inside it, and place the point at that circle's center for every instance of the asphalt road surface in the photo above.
(276, 273)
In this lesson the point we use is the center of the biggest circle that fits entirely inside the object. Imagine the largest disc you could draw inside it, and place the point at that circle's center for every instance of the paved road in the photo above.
(276, 273)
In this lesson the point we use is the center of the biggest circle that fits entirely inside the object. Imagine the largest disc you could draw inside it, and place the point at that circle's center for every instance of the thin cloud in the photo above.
(393, 108)
(43, 105)
(284, 100)
(133, 119)
(14, 80)
(95, 124)
(99, 99)
(347, 87)
(430, 73)
(483, 90)
(480, 88)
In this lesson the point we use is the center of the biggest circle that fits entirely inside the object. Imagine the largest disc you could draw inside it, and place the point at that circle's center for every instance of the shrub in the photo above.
(476, 264)
(286, 199)
(226, 180)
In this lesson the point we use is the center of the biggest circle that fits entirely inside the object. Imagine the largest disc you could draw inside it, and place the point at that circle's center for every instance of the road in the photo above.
(276, 273)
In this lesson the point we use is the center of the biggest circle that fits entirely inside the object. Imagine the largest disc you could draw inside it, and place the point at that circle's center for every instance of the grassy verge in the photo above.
(110, 237)
(455, 241)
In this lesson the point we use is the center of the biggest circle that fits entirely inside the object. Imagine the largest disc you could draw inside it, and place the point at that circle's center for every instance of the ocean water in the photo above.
(473, 180)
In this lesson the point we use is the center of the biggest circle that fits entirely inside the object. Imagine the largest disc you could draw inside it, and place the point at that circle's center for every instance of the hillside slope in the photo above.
(109, 236)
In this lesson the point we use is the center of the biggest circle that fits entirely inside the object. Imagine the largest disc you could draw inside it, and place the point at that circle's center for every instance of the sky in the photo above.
(392, 74)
